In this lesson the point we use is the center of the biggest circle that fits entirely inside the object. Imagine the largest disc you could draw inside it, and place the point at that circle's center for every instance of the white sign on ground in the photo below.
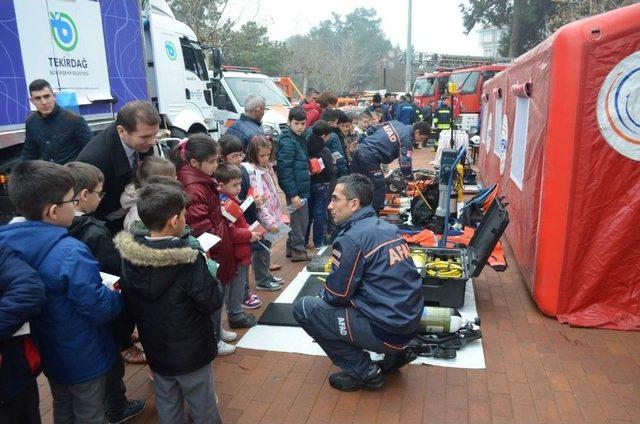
(296, 340)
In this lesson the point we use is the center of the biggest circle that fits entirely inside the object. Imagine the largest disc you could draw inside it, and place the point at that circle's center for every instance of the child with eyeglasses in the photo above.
(76, 346)
(95, 234)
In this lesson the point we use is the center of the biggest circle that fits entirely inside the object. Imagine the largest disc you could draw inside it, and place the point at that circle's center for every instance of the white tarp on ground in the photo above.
(295, 340)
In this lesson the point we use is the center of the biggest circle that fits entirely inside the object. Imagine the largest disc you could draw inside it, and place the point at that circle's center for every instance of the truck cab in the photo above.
(469, 82)
(232, 87)
(176, 72)
(429, 87)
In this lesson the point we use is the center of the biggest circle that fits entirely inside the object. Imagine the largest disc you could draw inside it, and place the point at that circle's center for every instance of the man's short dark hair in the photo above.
(422, 127)
(227, 172)
(36, 184)
(343, 117)
(327, 99)
(297, 114)
(321, 128)
(357, 186)
(85, 176)
(377, 98)
(157, 203)
(39, 84)
(137, 111)
(363, 115)
(330, 115)
(311, 91)
(389, 94)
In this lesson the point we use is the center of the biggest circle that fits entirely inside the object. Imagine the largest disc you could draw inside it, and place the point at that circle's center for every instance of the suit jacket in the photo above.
(105, 151)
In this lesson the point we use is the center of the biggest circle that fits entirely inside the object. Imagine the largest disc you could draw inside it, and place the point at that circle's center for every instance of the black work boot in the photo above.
(346, 383)
(392, 363)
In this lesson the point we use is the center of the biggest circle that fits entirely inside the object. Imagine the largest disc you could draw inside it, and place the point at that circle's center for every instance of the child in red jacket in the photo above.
(229, 179)
(196, 158)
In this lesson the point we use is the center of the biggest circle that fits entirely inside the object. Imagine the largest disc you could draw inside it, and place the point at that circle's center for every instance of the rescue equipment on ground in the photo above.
(447, 270)
(437, 320)
(443, 331)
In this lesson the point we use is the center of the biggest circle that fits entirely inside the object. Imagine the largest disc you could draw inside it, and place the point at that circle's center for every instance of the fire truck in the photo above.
(469, 82)
(429, 87)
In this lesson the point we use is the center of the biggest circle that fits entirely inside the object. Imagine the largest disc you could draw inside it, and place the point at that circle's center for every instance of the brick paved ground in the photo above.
(538, 371)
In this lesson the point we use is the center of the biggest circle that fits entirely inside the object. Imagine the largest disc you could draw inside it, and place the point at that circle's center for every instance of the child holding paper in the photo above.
(168, 287)
(196, 159)
(322, 175)
(260, 156)
(232, 151)
(95, 234)
(229, 179)
(75, 344)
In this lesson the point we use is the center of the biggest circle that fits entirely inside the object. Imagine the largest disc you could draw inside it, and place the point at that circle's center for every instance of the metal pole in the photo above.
(384, 77)
(407, 72)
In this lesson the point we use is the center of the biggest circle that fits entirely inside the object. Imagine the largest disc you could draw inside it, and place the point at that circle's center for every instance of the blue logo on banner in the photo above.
(171, 50)
(63, 30)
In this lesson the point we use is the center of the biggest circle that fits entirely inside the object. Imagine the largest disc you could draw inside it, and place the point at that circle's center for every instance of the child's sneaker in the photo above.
(252, 302)
(228, 336)
(276, 280)
(269, 286)
(225, 348)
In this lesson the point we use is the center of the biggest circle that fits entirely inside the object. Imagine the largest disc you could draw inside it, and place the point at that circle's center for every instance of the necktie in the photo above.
(134, 162)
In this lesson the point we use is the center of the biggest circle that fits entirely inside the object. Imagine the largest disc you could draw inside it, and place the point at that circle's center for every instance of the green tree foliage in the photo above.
(525, 20)
(340, 53)
(530, 21)
(204, 17)
(248, 45)
(571, 10)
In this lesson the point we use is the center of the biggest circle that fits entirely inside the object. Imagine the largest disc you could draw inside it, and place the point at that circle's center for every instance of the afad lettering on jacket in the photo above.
(398, 253)
(342, 327)
(392, 136)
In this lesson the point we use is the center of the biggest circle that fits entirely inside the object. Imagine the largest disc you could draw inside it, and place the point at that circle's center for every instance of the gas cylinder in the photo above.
(438, 320)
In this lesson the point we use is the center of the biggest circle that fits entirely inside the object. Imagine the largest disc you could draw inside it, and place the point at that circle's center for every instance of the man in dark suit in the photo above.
(117, 151)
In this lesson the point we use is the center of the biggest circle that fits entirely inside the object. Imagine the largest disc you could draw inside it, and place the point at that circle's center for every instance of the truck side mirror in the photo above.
(222, 102)
(216, 55)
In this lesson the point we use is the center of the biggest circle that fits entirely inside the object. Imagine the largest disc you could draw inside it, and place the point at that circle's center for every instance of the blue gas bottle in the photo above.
(68, 100)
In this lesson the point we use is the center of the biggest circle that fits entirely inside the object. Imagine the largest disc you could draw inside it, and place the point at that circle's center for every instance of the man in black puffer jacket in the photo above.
(52, 133)
(171, 294)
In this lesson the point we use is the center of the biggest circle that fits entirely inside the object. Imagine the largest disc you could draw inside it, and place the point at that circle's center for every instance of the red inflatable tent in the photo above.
(561, 135)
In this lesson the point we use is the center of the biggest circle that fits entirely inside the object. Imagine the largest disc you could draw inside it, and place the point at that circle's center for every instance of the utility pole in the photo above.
(407, 71)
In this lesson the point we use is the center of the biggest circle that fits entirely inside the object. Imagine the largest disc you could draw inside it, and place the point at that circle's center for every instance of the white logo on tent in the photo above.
(618, 107)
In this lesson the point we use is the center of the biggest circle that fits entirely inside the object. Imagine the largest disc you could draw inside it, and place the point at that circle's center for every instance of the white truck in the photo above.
(234, 84)
(103, 54)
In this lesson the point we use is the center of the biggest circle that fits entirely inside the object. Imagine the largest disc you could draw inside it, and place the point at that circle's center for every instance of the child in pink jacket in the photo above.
(260, 155)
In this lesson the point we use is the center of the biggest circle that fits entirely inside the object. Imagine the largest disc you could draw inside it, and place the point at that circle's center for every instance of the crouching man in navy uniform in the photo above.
(372, 298)
(384, 144)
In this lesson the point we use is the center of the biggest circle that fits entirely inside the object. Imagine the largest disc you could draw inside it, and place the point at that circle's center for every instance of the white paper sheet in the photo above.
(296, 340)
(208, 240)
(283, 230)
(109, 280)
(24, 330)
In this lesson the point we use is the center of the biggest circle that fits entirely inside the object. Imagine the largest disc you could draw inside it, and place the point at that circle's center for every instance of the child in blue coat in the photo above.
(76, 346)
